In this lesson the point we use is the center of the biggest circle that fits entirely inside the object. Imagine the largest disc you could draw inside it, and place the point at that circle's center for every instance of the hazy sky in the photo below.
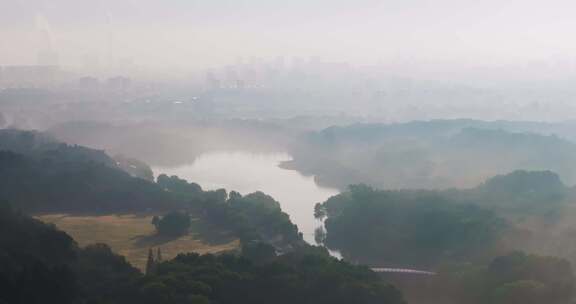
(191, 33)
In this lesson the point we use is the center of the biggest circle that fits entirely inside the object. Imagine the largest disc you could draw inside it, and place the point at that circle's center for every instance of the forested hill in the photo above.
(474, 239)
(59, 185)
(429, 155)
(42, 146)
(39, 264)
(40, 174)
(425, 228)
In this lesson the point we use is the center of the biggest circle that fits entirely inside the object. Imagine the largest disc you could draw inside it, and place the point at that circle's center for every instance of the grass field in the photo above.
(132, 235)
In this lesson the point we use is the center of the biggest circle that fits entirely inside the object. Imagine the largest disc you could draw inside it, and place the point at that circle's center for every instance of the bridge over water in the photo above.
(337, 255)
(403, 270)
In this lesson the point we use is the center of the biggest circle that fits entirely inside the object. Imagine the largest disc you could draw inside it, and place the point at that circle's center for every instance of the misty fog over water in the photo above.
(248, 172)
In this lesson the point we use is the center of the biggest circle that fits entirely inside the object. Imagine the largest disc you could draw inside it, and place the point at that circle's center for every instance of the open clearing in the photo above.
(132, 235)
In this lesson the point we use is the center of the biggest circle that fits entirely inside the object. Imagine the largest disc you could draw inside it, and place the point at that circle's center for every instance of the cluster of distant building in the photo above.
(52, 76)
(258, 73)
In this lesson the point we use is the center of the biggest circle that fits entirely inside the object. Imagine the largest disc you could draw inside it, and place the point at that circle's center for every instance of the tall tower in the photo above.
(110, 41)
(46, 55)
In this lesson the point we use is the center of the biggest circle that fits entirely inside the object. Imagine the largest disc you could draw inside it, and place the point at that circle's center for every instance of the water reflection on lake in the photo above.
(247, 172)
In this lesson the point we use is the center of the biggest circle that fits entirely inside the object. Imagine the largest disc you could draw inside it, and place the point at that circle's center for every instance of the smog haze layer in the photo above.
(435, 40)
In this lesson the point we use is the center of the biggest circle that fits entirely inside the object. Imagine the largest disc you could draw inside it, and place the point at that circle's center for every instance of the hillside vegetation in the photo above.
(429, 155)
(39, 264)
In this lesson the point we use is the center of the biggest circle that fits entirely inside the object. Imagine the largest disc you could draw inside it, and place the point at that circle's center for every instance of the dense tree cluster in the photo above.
(520, 192)
(515, 278)
(172, 224)
(105, 277)
(424, 227)
(182, 189)
(407, 229)
(254, 217)
(292, 278)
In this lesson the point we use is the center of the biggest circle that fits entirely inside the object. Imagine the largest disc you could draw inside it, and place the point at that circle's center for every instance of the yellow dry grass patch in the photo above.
(133, 235)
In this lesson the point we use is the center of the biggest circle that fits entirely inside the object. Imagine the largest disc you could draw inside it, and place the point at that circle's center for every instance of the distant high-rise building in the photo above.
(118, 84)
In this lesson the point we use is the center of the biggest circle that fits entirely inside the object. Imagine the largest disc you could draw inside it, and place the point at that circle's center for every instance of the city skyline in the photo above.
(418, 36)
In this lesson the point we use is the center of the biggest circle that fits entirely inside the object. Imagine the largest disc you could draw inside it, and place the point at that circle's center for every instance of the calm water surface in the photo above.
(247, 172)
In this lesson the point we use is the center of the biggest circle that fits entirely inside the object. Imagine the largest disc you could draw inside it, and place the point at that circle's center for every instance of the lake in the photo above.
(248, 172)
